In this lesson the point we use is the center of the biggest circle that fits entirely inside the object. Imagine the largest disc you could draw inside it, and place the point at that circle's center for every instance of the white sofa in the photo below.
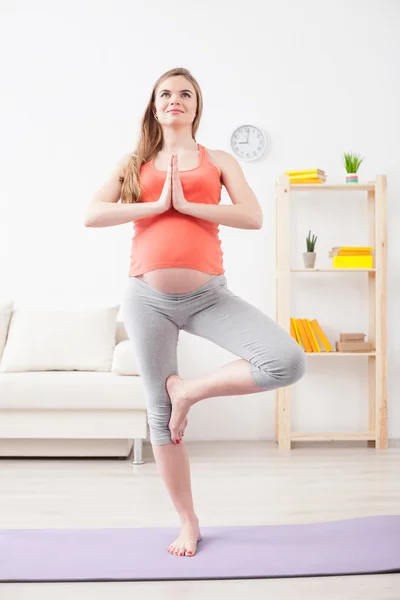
(69, 384)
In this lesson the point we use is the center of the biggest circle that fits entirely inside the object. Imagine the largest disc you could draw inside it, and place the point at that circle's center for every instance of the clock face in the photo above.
(248, 142)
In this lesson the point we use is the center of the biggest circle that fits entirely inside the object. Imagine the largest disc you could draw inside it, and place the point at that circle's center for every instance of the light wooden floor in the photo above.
(234, 483)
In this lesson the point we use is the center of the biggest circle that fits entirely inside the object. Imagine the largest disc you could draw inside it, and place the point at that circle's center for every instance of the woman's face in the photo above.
(175, 93)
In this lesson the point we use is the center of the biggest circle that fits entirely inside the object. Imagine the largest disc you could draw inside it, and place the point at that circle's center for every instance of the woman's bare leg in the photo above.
(173, 464)
(172, 459)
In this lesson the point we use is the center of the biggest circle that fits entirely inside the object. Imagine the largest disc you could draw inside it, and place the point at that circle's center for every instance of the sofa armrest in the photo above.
(124, 360)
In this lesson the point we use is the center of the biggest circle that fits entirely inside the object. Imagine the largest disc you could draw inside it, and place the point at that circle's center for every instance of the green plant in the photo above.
(352, 162)
(311, 241)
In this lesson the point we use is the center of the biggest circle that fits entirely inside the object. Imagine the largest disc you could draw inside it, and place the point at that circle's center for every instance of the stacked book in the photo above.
(311, 176)
(309, 335)
(352, 257)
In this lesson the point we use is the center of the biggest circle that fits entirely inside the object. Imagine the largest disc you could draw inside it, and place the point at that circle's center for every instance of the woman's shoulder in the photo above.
(221, 159)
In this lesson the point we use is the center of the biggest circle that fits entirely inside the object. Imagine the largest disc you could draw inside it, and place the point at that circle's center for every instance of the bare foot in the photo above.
(184, 427)
(180, 406)
(186, 543)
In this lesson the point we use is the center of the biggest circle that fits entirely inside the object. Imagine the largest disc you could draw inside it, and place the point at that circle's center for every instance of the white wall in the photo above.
(320, 78)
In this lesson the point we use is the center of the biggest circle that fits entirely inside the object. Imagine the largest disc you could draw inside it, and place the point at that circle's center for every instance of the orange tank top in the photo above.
(173, 239)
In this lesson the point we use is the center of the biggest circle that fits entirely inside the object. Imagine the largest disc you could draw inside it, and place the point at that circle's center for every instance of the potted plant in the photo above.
(310, 255)
(352, 163)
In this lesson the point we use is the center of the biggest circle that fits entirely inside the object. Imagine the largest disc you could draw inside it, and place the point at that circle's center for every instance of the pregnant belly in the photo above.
(174, 280)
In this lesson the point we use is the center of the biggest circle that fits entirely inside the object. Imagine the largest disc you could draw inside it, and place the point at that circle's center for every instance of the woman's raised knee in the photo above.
(296, 364)
(285, 369)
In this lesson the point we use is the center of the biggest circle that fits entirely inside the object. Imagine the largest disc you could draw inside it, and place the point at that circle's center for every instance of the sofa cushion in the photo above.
(121, 334)
(124, 359)
(6, 307)
(54, 339)
(71, 390)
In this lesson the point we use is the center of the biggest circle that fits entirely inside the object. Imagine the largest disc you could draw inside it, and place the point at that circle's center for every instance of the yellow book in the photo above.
(300, 181)
(315, 341)
(309, 337)
(306, 177)
(350, 253)
(352, 262)
(353, 248)
(321, 335)
(309, 172)
(304, 336)
(296, 331)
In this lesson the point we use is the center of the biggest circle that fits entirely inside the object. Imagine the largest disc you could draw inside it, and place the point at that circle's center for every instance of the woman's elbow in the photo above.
(258, 220)
(90, 218)
(87, 222)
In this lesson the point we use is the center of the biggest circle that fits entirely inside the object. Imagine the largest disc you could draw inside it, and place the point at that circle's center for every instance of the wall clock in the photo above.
(248, 142)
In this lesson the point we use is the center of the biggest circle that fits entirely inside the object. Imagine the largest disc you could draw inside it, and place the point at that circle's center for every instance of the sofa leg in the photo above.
(138, 451)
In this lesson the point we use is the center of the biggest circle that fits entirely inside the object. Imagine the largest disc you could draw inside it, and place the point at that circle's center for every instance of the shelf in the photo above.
(348, 187)
(333, 436)
(375, 211)
(330, 270)
(340, 353)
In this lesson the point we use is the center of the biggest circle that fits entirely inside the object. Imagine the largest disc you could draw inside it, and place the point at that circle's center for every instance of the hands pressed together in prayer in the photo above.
(172, 194)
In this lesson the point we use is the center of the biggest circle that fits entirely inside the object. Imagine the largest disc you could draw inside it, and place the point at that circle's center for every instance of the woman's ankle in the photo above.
(189, 518)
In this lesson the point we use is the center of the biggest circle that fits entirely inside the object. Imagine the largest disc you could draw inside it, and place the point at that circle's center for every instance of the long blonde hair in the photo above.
(151, 139)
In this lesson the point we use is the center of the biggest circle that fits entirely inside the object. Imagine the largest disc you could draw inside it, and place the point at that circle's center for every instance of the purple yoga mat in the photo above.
(353, 546)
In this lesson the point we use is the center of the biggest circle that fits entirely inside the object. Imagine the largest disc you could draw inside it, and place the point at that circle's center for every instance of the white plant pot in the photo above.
(351, 178)
(309, 259)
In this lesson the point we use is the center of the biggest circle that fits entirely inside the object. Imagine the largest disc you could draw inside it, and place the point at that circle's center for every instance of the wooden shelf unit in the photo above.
(376, 436)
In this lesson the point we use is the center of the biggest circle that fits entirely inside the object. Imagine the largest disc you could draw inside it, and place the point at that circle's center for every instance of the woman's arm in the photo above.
(233, 216)
(246, 212)
(103, 210)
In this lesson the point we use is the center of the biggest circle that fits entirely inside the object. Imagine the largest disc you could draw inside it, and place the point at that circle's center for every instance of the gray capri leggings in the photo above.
(153, 319)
